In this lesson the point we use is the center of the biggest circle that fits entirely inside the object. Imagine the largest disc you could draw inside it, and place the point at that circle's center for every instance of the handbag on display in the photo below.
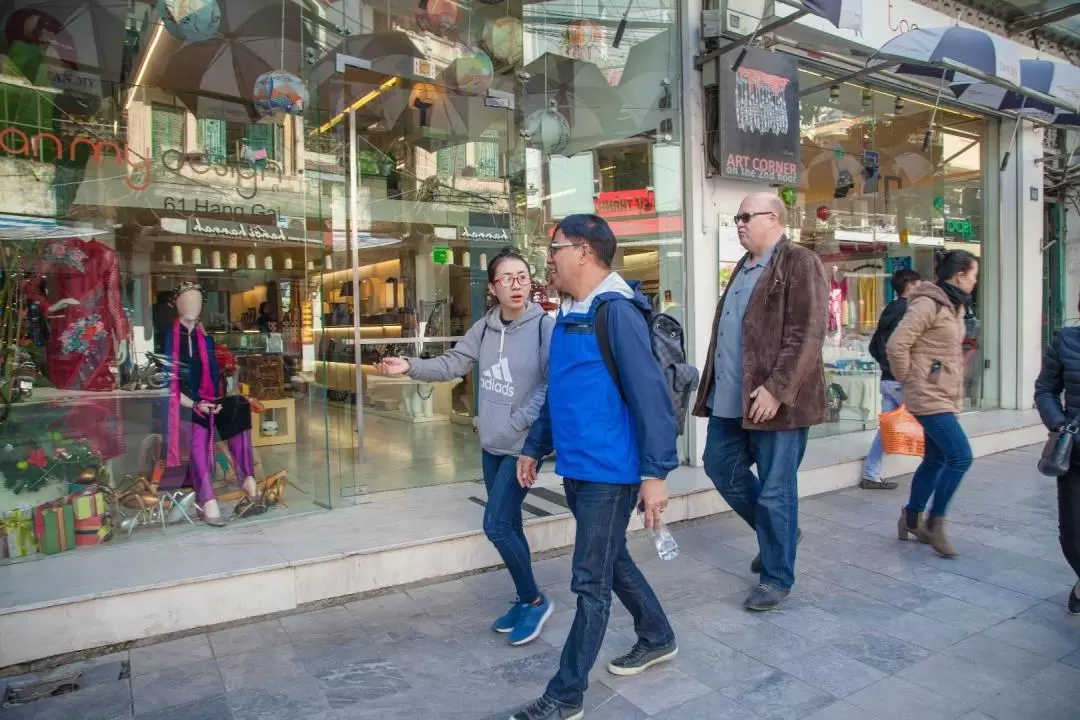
(1057, 453)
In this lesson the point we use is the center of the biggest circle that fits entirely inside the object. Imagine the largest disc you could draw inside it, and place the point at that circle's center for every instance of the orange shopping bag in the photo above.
(901, 433)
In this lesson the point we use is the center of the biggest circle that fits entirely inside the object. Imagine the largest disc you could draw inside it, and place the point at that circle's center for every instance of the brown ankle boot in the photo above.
(934, 534)
(903, 530)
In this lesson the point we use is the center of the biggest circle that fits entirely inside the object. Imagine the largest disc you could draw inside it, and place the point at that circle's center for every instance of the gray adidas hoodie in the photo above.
(513, 362)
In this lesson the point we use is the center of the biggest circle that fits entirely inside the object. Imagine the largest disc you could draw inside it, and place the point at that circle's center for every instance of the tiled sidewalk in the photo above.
(876, 630)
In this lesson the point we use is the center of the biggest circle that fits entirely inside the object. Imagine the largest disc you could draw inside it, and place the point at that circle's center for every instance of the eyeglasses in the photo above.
(556, 247)
(511, 280)
(745, 217)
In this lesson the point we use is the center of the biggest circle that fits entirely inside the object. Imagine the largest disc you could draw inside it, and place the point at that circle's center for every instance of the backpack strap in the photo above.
(603, 341)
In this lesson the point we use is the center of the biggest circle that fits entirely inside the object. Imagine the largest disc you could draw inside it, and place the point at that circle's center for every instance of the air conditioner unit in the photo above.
(741, 17)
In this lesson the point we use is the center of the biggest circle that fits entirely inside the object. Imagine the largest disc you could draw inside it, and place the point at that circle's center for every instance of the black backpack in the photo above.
(669, 349)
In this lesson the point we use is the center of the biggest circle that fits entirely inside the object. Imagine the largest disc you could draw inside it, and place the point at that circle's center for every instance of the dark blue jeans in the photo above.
(502, 521)
(945, 461)
(602, 564)
(768, 501)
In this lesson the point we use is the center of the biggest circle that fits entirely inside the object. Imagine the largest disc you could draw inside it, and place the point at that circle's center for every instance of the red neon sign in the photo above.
(622, 203)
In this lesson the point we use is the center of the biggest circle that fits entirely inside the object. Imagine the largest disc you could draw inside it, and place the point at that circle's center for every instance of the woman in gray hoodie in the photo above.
(510, 346)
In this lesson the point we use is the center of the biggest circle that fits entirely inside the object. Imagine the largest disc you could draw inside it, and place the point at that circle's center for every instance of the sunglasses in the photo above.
(745, 217)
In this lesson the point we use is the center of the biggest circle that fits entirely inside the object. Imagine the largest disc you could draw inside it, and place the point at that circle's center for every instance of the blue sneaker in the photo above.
(531, 622)
(512, 617)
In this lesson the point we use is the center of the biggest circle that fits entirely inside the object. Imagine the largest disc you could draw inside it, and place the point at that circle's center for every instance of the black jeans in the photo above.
(601, 564)
(1069, 514)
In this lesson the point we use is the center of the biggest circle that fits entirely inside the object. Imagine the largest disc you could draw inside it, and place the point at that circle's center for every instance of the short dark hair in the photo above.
(504, 255)
(592, 230)
(902, 278)
(952, 263)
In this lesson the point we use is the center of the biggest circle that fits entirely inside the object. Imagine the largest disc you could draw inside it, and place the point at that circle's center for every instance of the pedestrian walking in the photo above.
(892, 392)
(926, 355)
(764, 386)
(510, 344)
(1060, 376)
(613, 432)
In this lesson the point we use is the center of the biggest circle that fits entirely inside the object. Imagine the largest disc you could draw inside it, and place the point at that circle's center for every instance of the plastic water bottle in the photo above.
(666, 547)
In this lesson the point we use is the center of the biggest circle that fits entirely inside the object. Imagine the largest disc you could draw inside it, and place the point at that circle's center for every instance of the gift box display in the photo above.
(54, 527)
(18, 528)
(93, 525)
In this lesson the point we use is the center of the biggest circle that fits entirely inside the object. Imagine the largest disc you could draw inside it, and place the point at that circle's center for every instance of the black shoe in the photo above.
(547, 709)
(641, 658)
(866, 484)
(1074, 602)
(765, 597)
(755, 566)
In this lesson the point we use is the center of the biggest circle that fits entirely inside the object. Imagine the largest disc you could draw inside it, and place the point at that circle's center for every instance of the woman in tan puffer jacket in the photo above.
(926, 355)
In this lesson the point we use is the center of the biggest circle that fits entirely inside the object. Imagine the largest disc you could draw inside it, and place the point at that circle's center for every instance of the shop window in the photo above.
(487, 160)
(229, 142)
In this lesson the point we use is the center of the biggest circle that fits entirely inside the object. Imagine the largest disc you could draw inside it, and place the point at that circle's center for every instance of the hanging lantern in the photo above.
(823, 213)
(502, 38)
(268, 262)
(251, 265)
(280, 92)
(288, 262)
(423, 99)
(472, 71)
(190, 20)
(547, 130)
(196, 256)
(788, 195)
(215, 259)
(234, 261)
(438, 16)
(177, 255)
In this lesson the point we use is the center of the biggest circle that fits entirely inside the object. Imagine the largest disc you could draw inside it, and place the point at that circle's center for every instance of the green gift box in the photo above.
(54, 525)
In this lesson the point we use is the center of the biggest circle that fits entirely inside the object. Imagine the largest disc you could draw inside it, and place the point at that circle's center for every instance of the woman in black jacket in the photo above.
(1060, 375)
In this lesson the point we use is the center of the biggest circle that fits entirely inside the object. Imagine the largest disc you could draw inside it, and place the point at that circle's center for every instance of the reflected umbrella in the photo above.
(254, 38)
(649, 84)
(87, 35)
(574, 98)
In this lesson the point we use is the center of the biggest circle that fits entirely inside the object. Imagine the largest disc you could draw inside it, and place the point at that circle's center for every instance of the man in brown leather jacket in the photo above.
(763, 386)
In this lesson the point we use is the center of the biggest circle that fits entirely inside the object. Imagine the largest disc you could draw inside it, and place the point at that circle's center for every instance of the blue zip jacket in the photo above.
(599, 437)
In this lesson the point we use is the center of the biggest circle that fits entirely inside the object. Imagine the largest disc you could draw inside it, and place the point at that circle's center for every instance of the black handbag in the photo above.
(1057, 453)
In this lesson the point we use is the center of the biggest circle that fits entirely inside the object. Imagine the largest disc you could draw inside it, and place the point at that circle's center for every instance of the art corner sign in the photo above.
(758, 138)
(241, 231)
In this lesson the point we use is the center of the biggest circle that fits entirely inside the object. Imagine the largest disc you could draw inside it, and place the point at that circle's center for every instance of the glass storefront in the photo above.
(871, 201)
(333, 176)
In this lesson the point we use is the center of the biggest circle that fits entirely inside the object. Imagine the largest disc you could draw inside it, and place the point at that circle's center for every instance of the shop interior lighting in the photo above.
(145, 64)
(332, 122)
(209, 270)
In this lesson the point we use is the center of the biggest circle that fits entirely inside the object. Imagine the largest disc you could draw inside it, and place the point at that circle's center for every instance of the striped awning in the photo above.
(25, 227)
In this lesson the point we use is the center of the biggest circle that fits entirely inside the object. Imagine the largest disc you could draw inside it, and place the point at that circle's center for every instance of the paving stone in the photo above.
(658, 689)
(712, 705)
(1022, 703)
(267, 668)
(245, 638)
(98, 702)
(1005, 662)
(1035, 638)
(965, 616)
(176, 686)
(779, 696)
(361, 681)
(1058, 681)
(154, 658)
(831, 672)
(295, 700)
(954, 678)
(896, 699)
(208, 708)
(880, 651)
(924, 631)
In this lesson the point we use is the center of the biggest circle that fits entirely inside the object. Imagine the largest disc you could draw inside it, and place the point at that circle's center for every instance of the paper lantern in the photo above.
(177, 255)
(251, 261)
(190, 20)
(547, 130)
(472, 71)
(280, 92)
(215, 259)
(196, 256)
(288, 262)
(423, 99)
(788, 195)
(234, 261)
(583, 38)
(502, 38)
(823, 213)
(268, 262)
(438, 16)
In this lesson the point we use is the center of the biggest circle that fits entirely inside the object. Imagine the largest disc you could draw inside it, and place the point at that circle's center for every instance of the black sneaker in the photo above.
(765, 597)
(1074, 602)
(641, 658)
(755, 566)
(869, 484)
(547, 709)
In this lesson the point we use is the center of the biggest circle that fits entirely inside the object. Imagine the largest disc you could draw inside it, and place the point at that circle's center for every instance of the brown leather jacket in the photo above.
(926, 353)
(783, 331)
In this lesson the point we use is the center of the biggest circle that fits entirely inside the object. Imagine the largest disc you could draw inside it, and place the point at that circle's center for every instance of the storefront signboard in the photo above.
(240, 231)
(622, 203)
(759, 118)
(500, 236)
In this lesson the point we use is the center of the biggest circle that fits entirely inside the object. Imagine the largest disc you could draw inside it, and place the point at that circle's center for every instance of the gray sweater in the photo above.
(513, 362)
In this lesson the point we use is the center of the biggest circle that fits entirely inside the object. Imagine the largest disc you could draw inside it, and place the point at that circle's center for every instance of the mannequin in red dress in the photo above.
(88, 333)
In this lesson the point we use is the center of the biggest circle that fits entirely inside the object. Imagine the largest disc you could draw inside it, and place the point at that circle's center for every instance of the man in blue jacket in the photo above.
(614, 444)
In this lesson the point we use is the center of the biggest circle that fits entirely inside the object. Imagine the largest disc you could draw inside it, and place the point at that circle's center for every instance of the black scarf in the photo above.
(959, 297)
